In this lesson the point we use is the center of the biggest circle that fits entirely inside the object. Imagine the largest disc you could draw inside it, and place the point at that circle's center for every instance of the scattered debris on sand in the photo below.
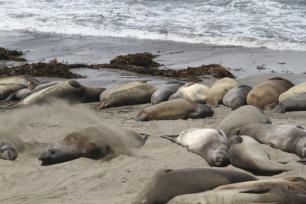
(6, 54)
(139, 59)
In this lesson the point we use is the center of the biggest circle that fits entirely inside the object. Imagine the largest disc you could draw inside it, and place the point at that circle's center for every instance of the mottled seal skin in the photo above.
(127, 94)
(288, 138)
(162, 94)
(192, 91)
(93, 142)
(173, 110)
(293, 103)
(246, 153)
(219, 89)
(236, 97)
(267, 195)
(242, 116)
(167, 183)
(265, 94)
(293, 91)
(210, 144)
(71, 91)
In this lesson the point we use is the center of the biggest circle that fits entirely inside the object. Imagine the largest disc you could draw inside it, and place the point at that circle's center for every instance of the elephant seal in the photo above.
(242, 116)
(292, 184)
(219, 89)
(293, 91)
(246, 153)
(293, 103)
(26, 81)
(208, 143)
(167, 183)
(288, 138)
(71, 91)
(268, 195)
(173, 110)
(236, 97)
(19, 95)
(265, 94)
(93, 142)
(192, 91)
(127, 94)
(162, 94)
(7, 89)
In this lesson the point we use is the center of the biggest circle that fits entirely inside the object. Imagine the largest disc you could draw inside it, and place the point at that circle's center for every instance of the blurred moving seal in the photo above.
(265, 94)
(173, 110)
(192, 91)
(288, 138)
(242, 116)
(246, 153)
(127, 94)
(168, 183)
(93, 142)
(210, 144)
(293, 91)
(293, 103)
(162, 94)
(236, 97)
(71, 91)
(219, 89)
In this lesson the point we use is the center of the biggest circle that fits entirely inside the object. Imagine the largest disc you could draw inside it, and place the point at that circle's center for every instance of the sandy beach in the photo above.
(120, 179)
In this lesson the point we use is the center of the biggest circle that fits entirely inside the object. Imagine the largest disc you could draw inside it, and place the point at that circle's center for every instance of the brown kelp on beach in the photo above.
(141, 63)
(6, 54)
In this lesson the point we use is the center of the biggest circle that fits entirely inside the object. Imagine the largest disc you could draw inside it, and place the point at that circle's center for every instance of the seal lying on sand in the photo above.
(219, 89)
(192, 91)
(168, 183)
(288, 138)
(267, 195)
(26, 81)
(173, 110)
(293, 91)
(246, 153)
(208, 143)
(293, 103)
(71, 91)
(93, 142)
(162, 94)
(236, 97)
(242, 116)
(265, 94)
(127, 94)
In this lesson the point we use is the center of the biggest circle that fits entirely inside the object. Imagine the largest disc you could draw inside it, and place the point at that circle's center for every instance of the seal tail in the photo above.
(172, 138)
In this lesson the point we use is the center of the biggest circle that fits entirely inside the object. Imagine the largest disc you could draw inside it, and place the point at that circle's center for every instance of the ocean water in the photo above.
(274, 24)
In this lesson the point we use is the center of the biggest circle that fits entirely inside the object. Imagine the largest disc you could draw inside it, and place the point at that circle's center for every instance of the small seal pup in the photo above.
(288, 138)
(293, 91)
(293, 103)
(236, 97)
(93, 142)
(127, 94)
(246, 153)
(168, 183)
(192, 91)
(162, 94)
(219, 89)
(265, 94)
(208, 143)
(173, 110)
(242, 116)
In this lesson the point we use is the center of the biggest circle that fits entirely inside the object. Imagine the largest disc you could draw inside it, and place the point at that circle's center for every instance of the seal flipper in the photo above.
(172, 138)
(201, 111)
(145, 136)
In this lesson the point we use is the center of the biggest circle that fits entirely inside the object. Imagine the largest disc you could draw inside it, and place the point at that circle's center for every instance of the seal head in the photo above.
(7, 151)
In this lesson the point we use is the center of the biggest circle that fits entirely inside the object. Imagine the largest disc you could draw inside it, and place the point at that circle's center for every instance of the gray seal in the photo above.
(294, 103)
(173, 110)
(246, 153)
(288, 138)
(242, 116)
(93, 142)
(236, 97)
(162, 94)
(168, 183)
(208, 143)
